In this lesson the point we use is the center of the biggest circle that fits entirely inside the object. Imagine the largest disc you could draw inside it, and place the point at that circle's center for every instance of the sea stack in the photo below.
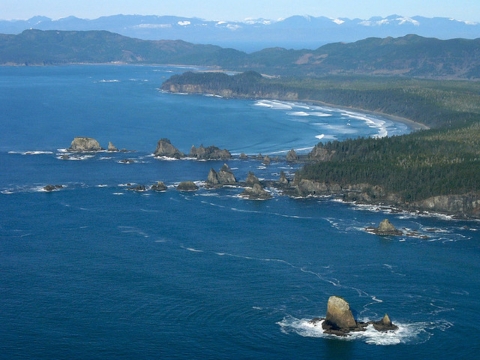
(85, 144)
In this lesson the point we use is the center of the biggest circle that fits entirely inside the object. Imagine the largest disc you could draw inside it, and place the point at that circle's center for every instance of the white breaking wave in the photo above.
(32, 152)
(414, 333)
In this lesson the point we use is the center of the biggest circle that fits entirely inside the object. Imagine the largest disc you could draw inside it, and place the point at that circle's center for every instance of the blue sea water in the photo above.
(97, 271)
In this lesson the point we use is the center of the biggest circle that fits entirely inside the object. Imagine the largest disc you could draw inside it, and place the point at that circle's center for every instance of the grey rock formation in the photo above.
(292, 156)
(257, 192)
(187, 186)
(243, 156)
(165, 148)
(159, 186)
(84, 144)
(223, 177)
(319, 153)
(283, 179)
(385, 229)
(209, 153)
(111, 147)
(138, 188)
(266, 160)
(252, 179)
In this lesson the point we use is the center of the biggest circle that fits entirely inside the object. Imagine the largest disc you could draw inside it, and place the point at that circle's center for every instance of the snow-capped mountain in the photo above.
(253, 34)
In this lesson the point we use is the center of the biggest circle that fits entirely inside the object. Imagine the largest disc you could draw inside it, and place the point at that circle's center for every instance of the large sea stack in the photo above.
(166, 149)
(84, 144)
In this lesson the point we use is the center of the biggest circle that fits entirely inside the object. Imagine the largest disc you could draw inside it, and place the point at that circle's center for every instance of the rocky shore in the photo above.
(461, 206)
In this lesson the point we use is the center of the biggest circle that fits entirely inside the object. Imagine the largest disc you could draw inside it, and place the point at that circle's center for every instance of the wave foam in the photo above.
(415, 333)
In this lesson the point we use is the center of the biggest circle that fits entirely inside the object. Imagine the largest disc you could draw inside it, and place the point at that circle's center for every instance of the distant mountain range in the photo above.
(295, 32)
(411, 55)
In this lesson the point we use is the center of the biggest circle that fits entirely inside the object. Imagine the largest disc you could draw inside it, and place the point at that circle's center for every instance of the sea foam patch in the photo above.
(414, 333)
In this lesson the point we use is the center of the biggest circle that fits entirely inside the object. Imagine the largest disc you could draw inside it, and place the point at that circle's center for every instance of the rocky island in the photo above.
(339, 320)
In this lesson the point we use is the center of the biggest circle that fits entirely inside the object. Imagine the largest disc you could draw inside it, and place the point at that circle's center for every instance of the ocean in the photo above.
(95, 270)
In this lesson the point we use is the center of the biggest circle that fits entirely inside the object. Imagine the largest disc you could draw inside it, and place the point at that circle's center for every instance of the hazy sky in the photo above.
(467, 10)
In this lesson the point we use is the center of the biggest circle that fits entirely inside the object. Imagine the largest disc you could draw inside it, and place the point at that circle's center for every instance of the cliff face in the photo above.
(229, 93)
(463, 205)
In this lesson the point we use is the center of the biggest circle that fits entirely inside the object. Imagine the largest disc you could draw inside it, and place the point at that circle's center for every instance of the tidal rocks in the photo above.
(223, 177)
(385, 324)
(340, 321)
(159, 186)
(385, 229)
(166, 149)
(292, 156)
(283, 181)
(187, 186)
(111, 147)
(257, 192)
(50, 188)
(209, 153)
(85, 144)
(266, 160)
(251, 179)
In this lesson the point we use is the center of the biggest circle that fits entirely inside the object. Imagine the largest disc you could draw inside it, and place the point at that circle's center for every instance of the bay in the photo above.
(96, 270)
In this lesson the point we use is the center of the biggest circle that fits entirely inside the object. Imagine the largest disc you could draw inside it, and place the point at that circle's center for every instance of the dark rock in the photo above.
(212, 178)
(243, 156)
(127, 161)
(292, 156)
(209, 153)
(111, 147)
(257, 192)
(159, 186)
(385, 324)
(266, 160)
(252, 179)
(84, 144)
(166, 149)
(187, 186)
(139, 188)
(50, 188)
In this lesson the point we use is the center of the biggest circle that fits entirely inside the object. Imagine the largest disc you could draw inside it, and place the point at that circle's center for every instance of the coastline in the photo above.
(411, 123)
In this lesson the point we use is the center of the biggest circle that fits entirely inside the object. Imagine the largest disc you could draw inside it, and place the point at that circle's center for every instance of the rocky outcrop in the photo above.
(266, 160)
(209, 153)
(339, 316)
(251, 179)
(85, 144)
(243, 156)
(463, 205)
(50, 188)
(340, 321)
(111, 147)
(283, 181)
(385, 324)
(166, 149)
(257, 192)
(159, 186)
(187, 186)
(223, 177)
(319, 153)
(292, 156)
(385, 229)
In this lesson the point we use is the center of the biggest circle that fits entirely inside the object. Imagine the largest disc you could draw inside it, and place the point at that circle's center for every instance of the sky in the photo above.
(236, 10)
